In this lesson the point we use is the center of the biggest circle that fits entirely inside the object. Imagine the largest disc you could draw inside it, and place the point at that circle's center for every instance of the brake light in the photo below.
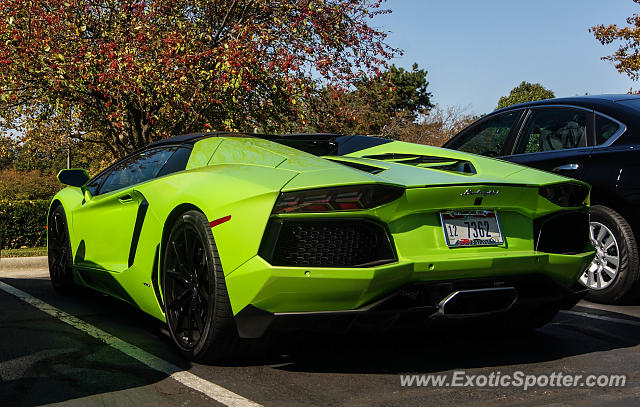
(565, 194)
(347, 198)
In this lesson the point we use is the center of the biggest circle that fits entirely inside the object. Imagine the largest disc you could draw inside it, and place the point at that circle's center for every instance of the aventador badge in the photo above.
(480, 192)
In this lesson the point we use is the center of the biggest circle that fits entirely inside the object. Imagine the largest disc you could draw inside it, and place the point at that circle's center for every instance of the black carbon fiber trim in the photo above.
(142, 212)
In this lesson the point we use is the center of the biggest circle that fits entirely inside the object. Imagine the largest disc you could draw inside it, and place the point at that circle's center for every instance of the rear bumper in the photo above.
(311, 289)
(422, 303)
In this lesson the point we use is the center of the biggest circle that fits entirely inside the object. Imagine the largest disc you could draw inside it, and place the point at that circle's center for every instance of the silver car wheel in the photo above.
(605, 266)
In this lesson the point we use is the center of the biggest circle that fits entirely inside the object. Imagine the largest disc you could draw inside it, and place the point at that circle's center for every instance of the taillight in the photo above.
(347, 198)
(566, 193)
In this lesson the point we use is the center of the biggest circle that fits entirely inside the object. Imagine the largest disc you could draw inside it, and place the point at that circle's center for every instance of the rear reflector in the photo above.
(219, 221)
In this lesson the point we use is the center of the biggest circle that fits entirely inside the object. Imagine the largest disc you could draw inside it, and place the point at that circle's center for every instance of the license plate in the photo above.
(471, 228)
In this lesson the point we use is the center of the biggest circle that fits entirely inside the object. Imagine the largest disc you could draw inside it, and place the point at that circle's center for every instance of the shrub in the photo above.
(23, 223)
(27, 185)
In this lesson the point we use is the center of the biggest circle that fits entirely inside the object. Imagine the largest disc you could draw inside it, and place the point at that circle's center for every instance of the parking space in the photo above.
(45, 360)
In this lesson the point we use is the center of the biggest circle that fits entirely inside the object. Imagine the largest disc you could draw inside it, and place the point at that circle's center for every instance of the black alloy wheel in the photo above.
(59, 252)
(187, 285)
(197, 306)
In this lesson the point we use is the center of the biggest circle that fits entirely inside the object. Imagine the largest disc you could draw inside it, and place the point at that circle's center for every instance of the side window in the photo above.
(177, 162)
(553, 129)
(136, 169)
(487, 137)
(94, 184)
(605, 129)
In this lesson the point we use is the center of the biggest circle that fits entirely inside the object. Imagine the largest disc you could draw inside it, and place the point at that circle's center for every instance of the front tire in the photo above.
(197, 305)
(613, 275)
(59, 252)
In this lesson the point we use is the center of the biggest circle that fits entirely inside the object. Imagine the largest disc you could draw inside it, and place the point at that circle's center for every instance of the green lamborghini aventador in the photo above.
(227, 237)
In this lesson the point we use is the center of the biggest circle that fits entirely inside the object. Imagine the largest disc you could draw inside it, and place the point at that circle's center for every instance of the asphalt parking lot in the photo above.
(45, 360)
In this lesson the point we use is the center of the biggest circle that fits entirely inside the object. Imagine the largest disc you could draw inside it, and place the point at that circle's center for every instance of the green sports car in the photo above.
(227, 237)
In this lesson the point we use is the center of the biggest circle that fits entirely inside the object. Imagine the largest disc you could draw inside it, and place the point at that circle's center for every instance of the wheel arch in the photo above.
(617, 203)
(173, 215)
(53, 205)
(166, 229)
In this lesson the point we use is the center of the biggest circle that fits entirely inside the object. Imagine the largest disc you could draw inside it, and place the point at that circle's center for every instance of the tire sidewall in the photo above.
(65, 282)
(627, 275)
(194, 220)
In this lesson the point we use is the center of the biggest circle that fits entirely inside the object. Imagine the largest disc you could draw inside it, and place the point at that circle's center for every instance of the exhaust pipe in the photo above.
(477, 302)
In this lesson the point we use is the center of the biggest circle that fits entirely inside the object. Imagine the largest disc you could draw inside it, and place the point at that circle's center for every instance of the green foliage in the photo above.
(374, 103)
(627, 57)
(525, 92)
(27, 185)
(7, 151)
(23, 223)
(397, 94)
(122, 73)
(46, 146)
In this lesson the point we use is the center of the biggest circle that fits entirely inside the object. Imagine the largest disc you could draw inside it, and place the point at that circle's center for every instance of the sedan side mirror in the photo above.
(75, 177)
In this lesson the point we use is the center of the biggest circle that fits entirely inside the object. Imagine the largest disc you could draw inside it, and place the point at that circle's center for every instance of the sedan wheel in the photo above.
(604, 268)
(613, 275)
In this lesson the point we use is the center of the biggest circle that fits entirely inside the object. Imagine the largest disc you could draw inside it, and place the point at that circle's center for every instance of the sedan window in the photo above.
(605, 129)
(487, 137)
(553, 129)
(137, 169)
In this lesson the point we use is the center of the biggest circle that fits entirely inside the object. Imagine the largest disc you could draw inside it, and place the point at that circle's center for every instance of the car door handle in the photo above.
(567, 167)
(125, 198)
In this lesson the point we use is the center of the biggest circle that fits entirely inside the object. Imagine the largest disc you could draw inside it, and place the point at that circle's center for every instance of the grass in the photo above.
(26, 252)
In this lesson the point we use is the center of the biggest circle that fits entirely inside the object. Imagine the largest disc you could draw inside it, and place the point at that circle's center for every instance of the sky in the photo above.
(477, 51)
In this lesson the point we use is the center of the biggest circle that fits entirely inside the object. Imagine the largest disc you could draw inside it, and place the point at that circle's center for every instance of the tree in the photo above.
(627, 58)
(525, 92)
(133, 71)
(8, 147)
(397, 94)
(373, 103)
(435, 128)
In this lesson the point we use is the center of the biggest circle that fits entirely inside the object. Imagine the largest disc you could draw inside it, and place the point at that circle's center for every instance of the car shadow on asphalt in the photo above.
(43, 360)
(424, 352)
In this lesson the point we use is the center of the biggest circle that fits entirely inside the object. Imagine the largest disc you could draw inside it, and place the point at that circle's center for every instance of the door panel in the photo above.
(106, 224)
(109, 223)
(569, 163)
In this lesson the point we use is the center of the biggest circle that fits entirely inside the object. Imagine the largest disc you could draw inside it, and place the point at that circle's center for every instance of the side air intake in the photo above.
(326, 243)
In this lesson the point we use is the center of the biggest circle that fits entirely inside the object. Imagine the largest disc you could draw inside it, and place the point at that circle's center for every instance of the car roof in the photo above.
(194, 137)
(319, 144)
(584, 100)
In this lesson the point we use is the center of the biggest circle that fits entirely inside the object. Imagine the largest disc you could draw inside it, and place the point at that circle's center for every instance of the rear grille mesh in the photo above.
(332, 243)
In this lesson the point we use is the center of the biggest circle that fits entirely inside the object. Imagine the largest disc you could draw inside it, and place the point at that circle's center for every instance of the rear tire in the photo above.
(59, 252)
(616, 232)
(197, 306)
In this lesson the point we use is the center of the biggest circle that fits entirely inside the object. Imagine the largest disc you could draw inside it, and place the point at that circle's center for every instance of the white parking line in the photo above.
(603, 318)
(212, 390)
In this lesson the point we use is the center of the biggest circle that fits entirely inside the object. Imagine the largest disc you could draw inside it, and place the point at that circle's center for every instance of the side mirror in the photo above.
(75, 177)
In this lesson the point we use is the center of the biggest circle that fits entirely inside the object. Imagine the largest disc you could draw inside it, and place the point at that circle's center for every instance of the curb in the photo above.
(19, 263)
